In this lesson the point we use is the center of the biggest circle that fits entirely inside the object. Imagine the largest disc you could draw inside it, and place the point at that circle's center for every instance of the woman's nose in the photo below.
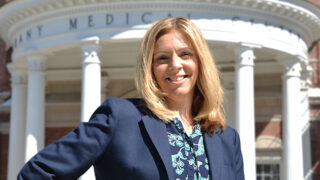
(176, 61)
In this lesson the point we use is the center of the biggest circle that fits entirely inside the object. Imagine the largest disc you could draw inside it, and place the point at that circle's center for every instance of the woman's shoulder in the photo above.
(123, 102)
(229, 134)
(124, 105)
(228, 130)
(117, 100)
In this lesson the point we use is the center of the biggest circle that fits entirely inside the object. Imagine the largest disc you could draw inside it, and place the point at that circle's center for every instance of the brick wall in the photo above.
(315, 145)
(53, 134)
(315, 139)
(4, 117)
(316, 2)
(5, 54)
(2, 2)
(271, 128)
(5, 58)
(3, 155)
(314, 56)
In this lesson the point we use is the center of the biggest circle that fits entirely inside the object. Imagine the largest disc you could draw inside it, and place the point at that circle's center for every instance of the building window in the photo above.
(268, 172)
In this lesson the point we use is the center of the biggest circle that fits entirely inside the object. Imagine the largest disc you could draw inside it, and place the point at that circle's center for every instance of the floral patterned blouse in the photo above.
(188, 155)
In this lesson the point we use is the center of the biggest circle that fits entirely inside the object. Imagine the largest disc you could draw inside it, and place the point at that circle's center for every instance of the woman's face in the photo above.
(175, 65)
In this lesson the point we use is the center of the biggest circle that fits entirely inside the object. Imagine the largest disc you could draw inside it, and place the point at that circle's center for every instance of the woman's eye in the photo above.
(162, 58)
(186, 55)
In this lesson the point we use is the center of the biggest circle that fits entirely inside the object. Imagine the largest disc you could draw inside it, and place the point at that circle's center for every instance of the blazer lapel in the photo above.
(214, 151)
(158, 134)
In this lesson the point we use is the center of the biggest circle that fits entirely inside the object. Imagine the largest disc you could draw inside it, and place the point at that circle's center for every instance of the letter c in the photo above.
(143, 17)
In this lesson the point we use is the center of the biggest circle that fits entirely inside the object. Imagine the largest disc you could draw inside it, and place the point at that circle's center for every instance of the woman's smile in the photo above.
(177, 79)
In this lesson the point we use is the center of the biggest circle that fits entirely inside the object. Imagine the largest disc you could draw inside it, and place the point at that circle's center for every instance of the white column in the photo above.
(91, 78)
(35, 132)
(244, 101)
(91, 85)
(17, 121)
(291, 124)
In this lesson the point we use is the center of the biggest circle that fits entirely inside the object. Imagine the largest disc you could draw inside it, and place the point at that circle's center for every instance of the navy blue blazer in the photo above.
(124, 140)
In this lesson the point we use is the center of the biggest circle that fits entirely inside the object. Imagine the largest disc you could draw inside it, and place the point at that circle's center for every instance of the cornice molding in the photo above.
(19, 14)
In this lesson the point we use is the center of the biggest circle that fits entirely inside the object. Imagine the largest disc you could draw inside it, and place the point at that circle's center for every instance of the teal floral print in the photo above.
(175, 140)
(189, 159)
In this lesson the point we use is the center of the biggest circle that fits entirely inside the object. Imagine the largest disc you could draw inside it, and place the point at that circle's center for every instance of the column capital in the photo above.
(291, 65)
(19, 79)
(90, 44)
(90, 50)
(244, 56)
(36, 62)
(306, 72)
(18, 74)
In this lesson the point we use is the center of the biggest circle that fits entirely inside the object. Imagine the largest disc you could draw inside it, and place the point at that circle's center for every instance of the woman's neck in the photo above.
(184, 108)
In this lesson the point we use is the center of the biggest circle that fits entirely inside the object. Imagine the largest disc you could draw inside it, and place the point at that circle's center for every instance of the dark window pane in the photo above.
(268, 172)
(259, 169)
(267, 168)
(276, 178)
(275, 168)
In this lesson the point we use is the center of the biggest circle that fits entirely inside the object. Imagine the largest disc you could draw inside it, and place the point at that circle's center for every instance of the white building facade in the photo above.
(69, 55)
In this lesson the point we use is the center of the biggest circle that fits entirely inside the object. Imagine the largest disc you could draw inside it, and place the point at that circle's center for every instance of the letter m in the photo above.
(73, 23)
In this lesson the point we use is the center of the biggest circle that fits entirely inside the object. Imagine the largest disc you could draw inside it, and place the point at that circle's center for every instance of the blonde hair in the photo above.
(207, 103)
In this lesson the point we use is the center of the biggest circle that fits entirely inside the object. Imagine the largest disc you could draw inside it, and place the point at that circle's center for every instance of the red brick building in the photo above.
(5, 53)
(315, 110)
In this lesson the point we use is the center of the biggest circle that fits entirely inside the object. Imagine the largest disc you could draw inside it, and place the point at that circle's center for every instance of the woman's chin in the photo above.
(179, 94)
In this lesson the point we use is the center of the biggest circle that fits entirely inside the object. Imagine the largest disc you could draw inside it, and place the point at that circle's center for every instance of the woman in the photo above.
(176, 132)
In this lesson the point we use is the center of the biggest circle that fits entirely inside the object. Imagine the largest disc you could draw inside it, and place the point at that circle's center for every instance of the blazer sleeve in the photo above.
(72, 155)
(239, 171)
